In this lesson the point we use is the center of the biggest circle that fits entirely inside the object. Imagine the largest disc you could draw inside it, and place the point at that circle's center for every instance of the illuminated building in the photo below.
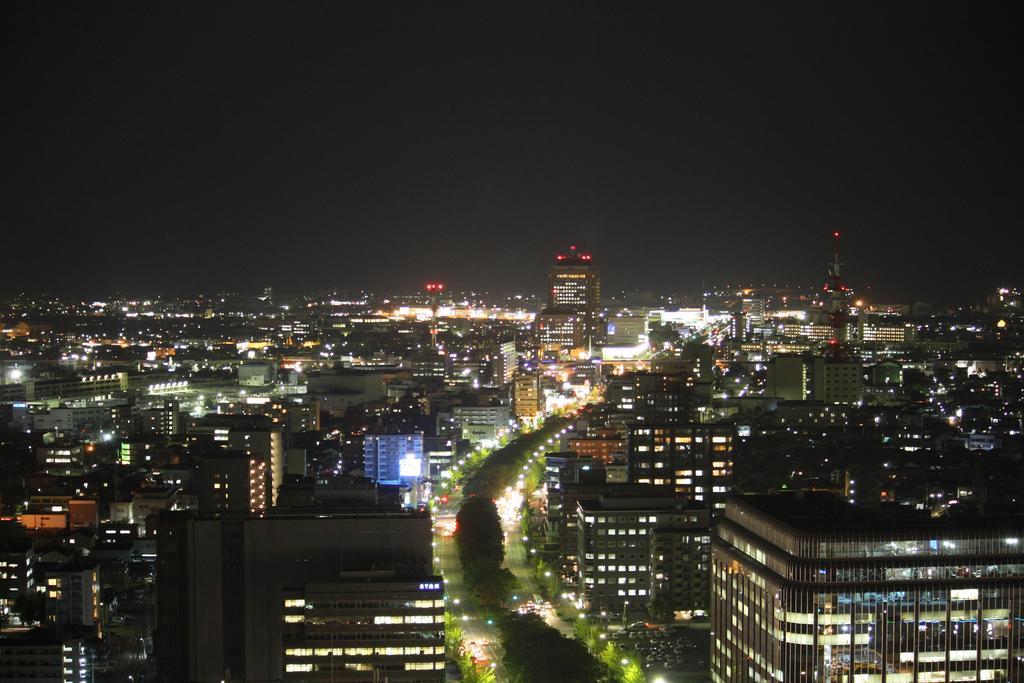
(806, 587)
(429, 365)
(96, 386)
(73, 596)
(235, 592)
(527, 398)
(574, 287)
(496, 417)
(811, 414)
(254, 435)
(396, 459)
(440, 453)
(754, 308)
(601, 449)
(738, 326)
(1006, 300)
(72, 418)
(650, 397)
(17, 562)
(874, 332)
(150, 501)
(694, 461)
(234, 482)
(619, 566)
(399, 635)
(64, 458)
(505, 362)
(162, 418)
(560, 330)
(41, 655)
(812, 331)
(694, 359)
(296, 413)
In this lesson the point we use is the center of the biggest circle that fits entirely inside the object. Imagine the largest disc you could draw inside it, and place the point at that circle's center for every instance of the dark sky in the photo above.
(180, 146)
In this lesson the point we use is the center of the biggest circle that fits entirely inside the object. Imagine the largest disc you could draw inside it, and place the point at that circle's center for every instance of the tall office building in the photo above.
(574, 294)
(695, 461)
(505, 360)
(806, 587)
(314, 596)
(527, 397)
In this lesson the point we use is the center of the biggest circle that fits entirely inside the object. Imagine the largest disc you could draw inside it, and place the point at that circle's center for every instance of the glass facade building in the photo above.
(806, 587)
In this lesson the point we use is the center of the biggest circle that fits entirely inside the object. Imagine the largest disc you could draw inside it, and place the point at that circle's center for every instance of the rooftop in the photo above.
(817, 511)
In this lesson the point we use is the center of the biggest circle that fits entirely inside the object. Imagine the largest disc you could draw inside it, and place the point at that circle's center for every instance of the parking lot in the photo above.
(679, 653)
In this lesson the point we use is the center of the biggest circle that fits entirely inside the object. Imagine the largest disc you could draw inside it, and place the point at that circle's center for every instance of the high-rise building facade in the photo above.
(695, 461)
(398, 634)
(233, 482)
(527, 398)
(629, 546)
(298, 596)
(574, 287)
(505, 360)
(806, 587)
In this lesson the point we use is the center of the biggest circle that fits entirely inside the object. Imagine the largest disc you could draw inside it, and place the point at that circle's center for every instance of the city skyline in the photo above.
(511, 343)
(145, 146)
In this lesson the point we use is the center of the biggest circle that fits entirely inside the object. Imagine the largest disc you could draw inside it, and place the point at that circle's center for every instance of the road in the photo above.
(461, 602)
(516, 561)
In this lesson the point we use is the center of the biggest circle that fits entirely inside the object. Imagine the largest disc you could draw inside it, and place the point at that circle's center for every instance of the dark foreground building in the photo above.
(806, 587)
(298, 597)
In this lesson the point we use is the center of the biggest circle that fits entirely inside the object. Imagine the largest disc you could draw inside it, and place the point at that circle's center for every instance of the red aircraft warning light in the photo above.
(434, 286)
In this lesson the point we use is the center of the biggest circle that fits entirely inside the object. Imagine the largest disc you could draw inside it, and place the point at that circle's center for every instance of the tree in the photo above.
(537, 653)
(480, 543)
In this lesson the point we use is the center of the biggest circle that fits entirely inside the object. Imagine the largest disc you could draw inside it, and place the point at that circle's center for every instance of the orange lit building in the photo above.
(602, 449)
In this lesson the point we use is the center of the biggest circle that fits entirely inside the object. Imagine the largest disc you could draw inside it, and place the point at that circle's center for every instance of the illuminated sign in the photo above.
(410, 466)
(430, 586)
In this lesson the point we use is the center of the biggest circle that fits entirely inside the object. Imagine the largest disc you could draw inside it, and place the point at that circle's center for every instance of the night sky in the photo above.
(177, 147)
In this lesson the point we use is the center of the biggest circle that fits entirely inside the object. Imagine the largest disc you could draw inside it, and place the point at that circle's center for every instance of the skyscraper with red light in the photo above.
(575, 288)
